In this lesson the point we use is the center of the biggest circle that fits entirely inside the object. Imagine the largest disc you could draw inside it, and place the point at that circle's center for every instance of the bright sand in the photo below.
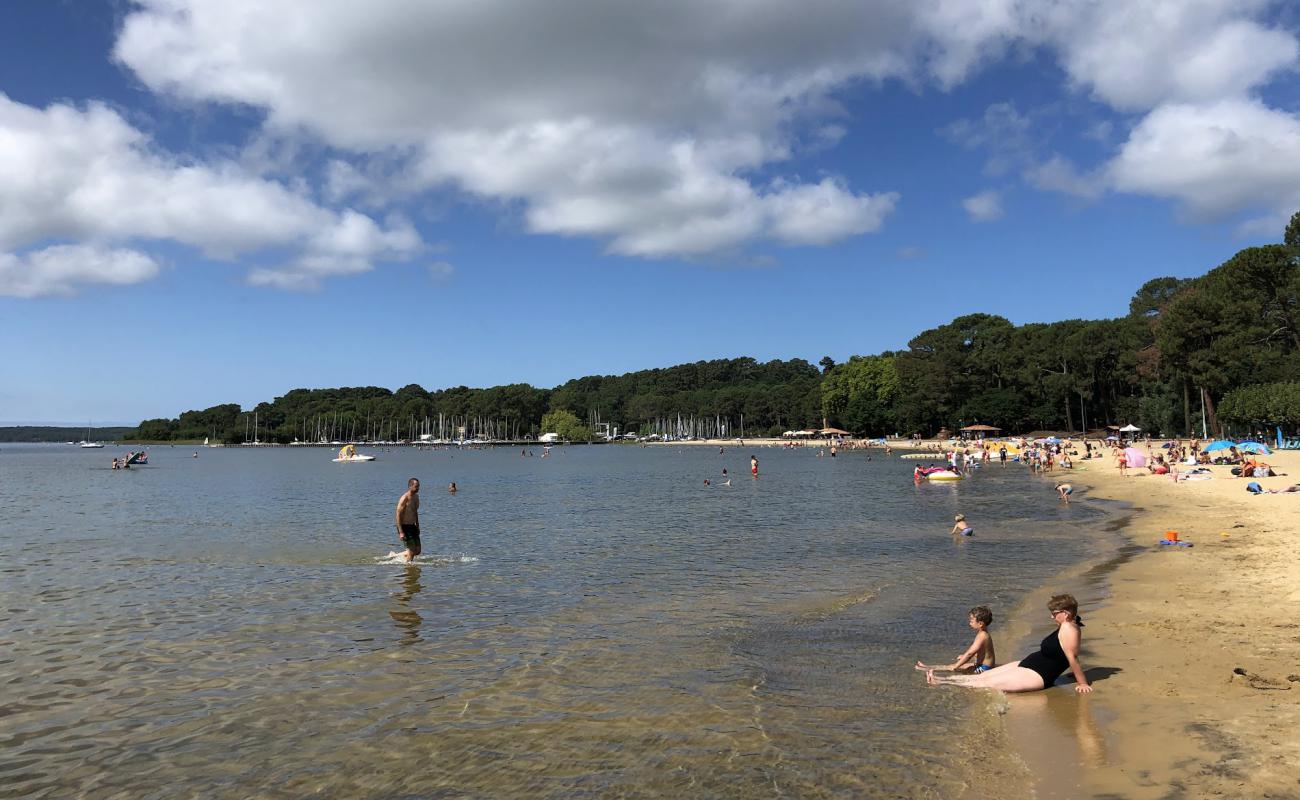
(1169, 717)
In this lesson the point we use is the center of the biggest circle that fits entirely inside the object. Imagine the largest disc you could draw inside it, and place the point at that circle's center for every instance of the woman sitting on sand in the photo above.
(1058, 652)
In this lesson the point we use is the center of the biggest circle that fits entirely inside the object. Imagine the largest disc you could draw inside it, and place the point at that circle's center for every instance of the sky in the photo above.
(212, 201)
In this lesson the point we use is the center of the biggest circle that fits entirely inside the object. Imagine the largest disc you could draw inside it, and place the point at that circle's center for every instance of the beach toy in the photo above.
(1171, 536)
(1175, 543)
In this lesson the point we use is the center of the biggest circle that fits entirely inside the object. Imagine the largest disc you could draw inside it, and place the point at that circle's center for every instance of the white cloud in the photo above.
(62, 269)
(1215, 159)
(1003, 132)
(654, 127)
(634, 123)
(984, 207)
(823, 212)
(1058, 174)
(1138, 55)
(86, 174)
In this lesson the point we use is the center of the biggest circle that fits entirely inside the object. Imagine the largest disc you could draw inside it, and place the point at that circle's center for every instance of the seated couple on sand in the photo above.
(1058, 652)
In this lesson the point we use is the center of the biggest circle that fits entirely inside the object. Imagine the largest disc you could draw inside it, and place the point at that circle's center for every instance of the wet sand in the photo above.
(1170, 717)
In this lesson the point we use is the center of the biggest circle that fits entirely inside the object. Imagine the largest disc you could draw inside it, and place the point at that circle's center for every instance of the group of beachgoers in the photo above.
(1177, 455)
(125, 462)
(1058, 652)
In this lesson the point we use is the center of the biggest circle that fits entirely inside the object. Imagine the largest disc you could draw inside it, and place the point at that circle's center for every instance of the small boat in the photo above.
(348, 454)
(87, 444)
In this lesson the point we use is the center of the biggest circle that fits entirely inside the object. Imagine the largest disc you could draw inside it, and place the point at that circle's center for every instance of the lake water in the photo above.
(592, 624)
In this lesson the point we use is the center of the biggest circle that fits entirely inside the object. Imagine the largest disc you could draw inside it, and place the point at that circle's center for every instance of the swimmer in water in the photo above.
(962, 527)
(753, 466)
(726, 479)
(451, 488)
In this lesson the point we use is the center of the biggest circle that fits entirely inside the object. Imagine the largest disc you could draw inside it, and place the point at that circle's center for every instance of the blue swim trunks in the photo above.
(982, 668)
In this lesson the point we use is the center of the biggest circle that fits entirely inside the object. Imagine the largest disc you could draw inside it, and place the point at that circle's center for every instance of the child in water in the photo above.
(979, 657)
(962, 527)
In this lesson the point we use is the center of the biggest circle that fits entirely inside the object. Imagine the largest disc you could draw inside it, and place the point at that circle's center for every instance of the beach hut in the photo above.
(834, 432)
(981, 429)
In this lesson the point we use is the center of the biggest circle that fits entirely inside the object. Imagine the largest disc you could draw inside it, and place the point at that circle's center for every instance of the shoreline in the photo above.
(1166, 628)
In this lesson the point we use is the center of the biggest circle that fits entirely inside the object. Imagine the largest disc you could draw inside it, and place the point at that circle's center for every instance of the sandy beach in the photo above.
(1170, 716)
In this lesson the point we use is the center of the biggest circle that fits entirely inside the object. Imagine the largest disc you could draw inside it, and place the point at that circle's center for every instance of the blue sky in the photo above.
(207, 202)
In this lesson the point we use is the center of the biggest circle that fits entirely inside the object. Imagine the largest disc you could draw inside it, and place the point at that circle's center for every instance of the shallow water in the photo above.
(595, 623)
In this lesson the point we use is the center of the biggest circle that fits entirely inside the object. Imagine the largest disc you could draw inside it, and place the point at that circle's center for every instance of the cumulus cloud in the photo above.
(88, 175)
(1215, 159)
(62, 269)
(984, 207)
(638, 124)
(1135, 56)
(653, 127)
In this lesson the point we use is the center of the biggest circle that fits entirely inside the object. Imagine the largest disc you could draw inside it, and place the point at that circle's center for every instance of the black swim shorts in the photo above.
(412, 536)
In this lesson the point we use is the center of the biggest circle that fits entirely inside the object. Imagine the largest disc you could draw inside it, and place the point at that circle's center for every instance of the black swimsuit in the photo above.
(1050, 661)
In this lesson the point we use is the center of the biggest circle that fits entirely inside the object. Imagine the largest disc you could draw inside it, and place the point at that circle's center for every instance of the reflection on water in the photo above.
(595, 623)
(406, 618)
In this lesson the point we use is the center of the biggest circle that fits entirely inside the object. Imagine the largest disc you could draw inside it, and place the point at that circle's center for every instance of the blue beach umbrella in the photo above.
(1254, 447)
(1221, 444)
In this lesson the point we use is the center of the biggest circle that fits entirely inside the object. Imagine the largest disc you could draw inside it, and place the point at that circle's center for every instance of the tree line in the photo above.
(51, 433)
(1223, 348)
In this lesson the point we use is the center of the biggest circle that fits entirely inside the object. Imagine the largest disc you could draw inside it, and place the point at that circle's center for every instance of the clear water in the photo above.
(596, 623)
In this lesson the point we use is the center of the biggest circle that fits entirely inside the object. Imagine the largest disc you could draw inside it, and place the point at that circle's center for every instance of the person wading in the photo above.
(408, 519)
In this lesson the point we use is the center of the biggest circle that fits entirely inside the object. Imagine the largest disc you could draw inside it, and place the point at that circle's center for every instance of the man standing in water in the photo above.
(408, 519)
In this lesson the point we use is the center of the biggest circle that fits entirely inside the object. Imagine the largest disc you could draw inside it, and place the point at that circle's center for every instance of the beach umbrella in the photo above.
(1254, 447)
(1221, 444)
(1136, 458)
(1050, 440)
(1130, 428)
(1112, 438)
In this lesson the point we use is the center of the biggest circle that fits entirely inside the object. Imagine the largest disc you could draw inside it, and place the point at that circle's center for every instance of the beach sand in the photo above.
(1169, 717)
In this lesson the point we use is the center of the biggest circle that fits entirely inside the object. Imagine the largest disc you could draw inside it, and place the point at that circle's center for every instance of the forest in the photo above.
(1192, 354)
